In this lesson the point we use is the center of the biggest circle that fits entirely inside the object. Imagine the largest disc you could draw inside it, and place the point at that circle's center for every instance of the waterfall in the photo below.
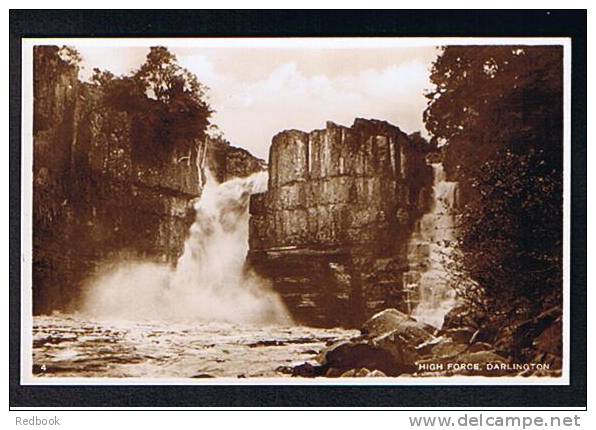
(429, 251)
(210, 281)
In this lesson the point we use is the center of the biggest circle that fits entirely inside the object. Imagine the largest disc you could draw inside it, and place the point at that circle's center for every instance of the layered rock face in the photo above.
(225, 161)
(332, 229)
(94, 198)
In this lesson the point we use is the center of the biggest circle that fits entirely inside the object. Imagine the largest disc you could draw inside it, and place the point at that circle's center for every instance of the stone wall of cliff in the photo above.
(94, 199)
(332, 229)
(225, 161)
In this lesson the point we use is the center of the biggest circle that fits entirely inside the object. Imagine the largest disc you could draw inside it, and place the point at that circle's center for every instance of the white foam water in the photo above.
(210, 281)
(434, 235)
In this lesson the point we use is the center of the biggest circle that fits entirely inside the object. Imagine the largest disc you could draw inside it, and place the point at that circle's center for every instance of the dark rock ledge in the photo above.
(394, 344)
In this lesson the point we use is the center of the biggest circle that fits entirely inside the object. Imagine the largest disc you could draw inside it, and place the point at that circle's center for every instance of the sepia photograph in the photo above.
(295, 210)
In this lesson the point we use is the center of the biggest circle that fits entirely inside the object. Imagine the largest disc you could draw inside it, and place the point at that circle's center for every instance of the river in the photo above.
(72, 346)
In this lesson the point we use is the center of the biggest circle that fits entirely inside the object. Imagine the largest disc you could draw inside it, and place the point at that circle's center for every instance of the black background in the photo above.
(161, 23)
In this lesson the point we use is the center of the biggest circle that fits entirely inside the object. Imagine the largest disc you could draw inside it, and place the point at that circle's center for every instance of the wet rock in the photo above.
(363, 373)
(448, 348)
(353, 373)
(461, 334)
(288, 370)
(334, 373)
(384, 322)
(523, 339)
(390, 343)
(399, 335)
(480, 346)
(391, 321)
(402, 348)
(321, 357)
(462, 316)
(474, 337)
(203, 375)
(426, 348)
(376, 374)
(266, 343)
(550, 340)
(307, 370)
(358, 355)
(395, 344)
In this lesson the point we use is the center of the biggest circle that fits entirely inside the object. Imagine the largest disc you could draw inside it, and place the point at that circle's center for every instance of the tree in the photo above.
(70, 56)
(498, 111)
(167, 102)
(181, 111)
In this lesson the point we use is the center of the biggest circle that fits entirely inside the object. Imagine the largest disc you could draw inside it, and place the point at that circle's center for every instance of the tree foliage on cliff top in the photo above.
(168, 103)
(499, 112)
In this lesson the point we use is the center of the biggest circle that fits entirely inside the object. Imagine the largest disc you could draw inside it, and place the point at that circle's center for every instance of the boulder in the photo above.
(376, 374)
(551, 339)
(307, 370)
(321, 357)
(350, 355)
(202, 375)
(334, 373)
(402, 345)
(461, 334)
(394, 344)
(521, 339)
(426, 348)
(364, 372)
(463, 316)
(391, 342)
(480, 346)
(384, 322)
(393, 321)
(447, 348)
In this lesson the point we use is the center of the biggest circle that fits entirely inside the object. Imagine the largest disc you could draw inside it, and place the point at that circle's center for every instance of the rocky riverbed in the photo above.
(390, 344)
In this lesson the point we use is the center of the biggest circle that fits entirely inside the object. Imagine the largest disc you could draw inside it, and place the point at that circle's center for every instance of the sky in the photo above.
(257, 92)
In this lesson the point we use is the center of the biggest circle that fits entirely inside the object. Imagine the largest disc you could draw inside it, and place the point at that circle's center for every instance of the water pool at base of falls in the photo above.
(250, 333)
(72, 346)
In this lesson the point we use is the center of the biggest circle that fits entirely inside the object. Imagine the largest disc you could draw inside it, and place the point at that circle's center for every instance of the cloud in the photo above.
(251, 113)
(256, 93)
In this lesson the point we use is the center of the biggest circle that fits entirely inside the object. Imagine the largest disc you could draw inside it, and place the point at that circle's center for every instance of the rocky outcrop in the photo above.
(226, 161)
(96, 198)
(395, 344)
(535, 340)
(332, 229)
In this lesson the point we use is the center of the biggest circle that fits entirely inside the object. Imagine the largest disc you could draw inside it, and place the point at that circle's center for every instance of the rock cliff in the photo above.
(332, 229)
(96, 195)
(226, 161)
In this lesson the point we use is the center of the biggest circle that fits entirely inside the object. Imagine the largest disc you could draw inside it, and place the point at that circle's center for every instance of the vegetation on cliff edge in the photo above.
(498, 112)
(167, 103)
